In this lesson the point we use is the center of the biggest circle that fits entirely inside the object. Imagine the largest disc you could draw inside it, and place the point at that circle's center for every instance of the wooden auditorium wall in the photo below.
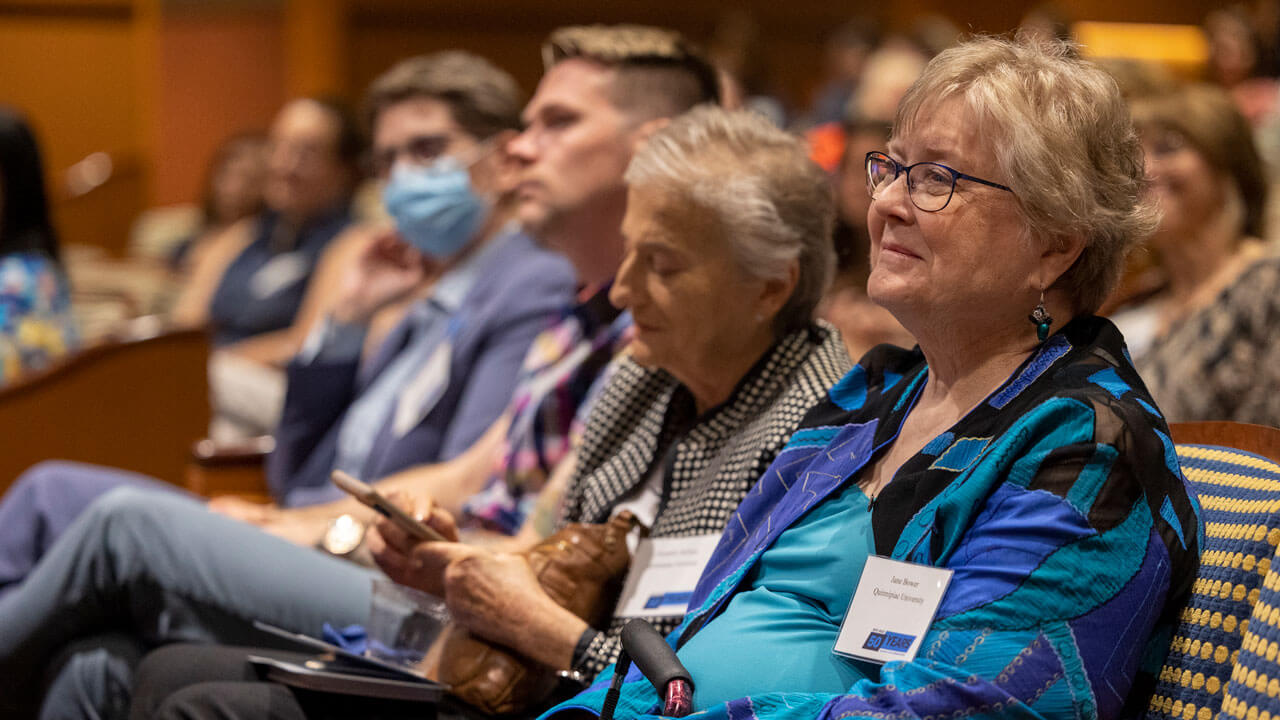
(70, 67)
(157, 84)
(153, 85)
(510, 31)
(221, 73)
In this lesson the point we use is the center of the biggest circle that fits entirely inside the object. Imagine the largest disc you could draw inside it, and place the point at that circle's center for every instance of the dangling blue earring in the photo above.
(1041, 318)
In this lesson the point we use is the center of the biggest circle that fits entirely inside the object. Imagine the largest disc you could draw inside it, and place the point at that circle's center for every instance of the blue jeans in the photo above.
(160, 568)
(42, 504)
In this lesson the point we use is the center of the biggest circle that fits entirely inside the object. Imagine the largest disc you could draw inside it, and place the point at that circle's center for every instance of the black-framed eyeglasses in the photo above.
(930, 185)
(419, 150)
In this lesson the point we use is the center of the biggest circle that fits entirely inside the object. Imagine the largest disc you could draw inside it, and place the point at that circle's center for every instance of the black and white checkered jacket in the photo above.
(644, 417)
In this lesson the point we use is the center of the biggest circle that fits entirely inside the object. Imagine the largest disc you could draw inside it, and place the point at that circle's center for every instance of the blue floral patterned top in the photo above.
(36, 325)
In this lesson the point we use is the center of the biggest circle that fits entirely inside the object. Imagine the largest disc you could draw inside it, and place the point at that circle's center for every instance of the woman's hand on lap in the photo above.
(497, 596)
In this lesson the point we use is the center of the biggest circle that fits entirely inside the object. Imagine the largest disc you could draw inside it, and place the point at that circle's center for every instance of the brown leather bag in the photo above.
(582, 568)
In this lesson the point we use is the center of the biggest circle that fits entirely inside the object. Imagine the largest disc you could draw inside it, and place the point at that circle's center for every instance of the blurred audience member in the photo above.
(36, 325)
(1046, 21)
(481, 290)
(1235, 62)
(233, 190)
(890, 71)
(737, 51)
(933, 32)
(1212, 353)
(1139, 78)
(846, 54)
(862, 323)
(1142, 276)
(261, 284)
(252, 278)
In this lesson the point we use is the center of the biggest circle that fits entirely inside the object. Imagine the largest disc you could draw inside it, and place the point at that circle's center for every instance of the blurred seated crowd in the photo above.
(938, 321)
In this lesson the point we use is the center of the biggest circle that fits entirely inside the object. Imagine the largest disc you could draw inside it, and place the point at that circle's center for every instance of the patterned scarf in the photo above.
(644, 417)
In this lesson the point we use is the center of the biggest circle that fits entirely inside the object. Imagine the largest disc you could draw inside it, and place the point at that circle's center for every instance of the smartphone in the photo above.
(366, 494)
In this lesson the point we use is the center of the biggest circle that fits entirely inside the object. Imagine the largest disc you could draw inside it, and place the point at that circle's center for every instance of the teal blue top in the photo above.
(795, 600)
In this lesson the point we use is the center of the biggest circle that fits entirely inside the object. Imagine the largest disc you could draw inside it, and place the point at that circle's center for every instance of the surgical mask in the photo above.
(434, 206)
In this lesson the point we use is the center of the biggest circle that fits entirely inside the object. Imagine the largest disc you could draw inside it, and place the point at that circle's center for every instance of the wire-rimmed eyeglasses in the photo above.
(930, 185)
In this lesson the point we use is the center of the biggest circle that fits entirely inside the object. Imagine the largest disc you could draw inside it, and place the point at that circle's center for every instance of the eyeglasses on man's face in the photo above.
(417, 150)
(424, 150)
(930, 185)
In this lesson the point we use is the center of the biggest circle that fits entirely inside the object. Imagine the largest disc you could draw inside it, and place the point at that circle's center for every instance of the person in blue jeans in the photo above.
(483, 291)
(117, 569)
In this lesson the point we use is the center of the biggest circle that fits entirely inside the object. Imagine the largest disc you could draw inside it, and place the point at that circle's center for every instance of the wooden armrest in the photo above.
(230, 468)
(1258, 439)
(253, 451)
(134, 402)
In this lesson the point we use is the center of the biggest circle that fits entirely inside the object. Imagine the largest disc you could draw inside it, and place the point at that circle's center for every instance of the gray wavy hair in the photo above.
(774, 203)
(1063, 140)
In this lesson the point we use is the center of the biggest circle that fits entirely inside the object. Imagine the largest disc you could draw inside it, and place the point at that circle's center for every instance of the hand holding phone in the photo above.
(367, 495)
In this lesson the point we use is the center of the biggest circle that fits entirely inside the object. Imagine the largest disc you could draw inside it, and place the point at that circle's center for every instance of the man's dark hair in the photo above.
(24, 207)
(350, 140)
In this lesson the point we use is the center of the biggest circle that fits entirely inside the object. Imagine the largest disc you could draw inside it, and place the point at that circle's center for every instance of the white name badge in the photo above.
(278, 273)
(891, 610)
(424, 390)
(663, 574)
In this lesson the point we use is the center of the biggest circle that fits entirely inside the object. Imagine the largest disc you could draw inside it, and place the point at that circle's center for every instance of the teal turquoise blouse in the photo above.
(796, 600)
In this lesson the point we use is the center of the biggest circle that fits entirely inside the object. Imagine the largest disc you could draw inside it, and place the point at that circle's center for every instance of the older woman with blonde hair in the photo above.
(992, 523)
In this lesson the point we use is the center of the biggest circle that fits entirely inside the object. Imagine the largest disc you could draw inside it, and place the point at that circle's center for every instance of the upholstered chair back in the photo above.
(1223, 657)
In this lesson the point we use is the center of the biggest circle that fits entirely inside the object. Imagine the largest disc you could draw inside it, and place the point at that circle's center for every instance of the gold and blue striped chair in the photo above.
(1222, 658)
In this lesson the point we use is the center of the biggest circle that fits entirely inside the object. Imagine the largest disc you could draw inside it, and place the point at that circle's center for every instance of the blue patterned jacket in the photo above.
(1058, 503)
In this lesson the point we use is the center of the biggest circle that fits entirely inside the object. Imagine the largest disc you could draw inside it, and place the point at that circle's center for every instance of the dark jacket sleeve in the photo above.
(317, 395)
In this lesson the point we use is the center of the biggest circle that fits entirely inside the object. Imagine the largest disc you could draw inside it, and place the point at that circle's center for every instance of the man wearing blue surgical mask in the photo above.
(478, 290)
(470, 290)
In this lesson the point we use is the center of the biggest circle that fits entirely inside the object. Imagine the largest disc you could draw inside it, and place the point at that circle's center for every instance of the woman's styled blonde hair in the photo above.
(1061, 135)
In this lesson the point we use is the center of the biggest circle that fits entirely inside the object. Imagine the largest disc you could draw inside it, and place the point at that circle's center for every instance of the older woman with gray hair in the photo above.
(727, 256)
(992, 523)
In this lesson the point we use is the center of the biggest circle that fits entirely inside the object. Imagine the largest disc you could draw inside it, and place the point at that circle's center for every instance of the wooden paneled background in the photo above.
(156, 84)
